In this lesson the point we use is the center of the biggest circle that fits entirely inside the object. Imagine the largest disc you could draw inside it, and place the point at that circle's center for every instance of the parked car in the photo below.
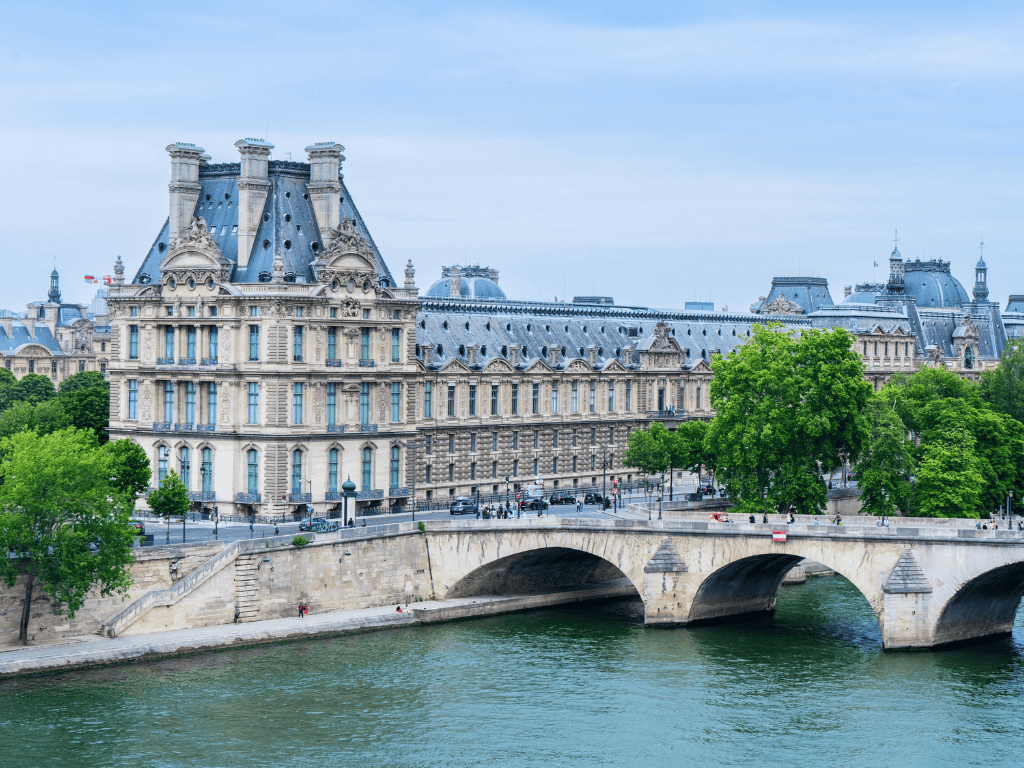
(563, 498)
(707, 490)
(324, 527)
(534, 504)
(593, 498)
(463, 506)
(309, 522)
(721, 492)
(139, 526)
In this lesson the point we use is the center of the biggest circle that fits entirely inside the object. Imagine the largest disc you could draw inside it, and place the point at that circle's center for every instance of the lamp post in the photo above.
(885, 505)
(661, 493)
(412, 451)
(1009, 506)
(766, 501)
(348, 490)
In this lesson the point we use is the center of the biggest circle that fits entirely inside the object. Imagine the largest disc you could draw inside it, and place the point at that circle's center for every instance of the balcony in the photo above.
(184, 427)
(677, 415)
(300, 498)
(367, 427)
(334, 496)
(362, 495)
(206, 427)
(186, 361)
(248, 498)
(165, 361)
(366, 363)
(202, 495)
(161, 426)
(334, 363)
(398, 492)
(208, 361)
(338, 429)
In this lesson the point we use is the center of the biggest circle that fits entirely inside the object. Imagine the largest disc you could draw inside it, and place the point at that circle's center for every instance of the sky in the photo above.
(656, 152)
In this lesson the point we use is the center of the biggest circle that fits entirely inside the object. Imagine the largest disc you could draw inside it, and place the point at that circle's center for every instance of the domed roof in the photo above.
(932, 285)
(981, 264)
(895, 254)
(474, 283)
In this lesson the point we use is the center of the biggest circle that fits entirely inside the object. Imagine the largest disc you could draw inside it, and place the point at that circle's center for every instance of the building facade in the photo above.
(265, 352)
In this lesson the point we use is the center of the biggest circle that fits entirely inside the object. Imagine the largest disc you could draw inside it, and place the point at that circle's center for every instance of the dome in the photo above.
(474, 283)
(981, 264)
(895, 255)
(932, 285)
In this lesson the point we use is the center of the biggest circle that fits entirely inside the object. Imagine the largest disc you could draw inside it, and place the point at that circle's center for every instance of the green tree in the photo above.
(60, 519)
(33, 388)
(646, 453)
(83, 380)
(44, 418)
(690, 452)
(88, 408)
(948, 477)
(1003, 387)
(169, 500)
(786, 408)
(130, 469)
(887, 461)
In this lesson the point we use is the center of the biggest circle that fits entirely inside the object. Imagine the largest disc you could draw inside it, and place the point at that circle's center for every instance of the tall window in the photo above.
(396, 401)
(296, 403)
(536, 439)
(253, 484)
(629, 396)
(211, 403)
(426, 471)
(451, 400)
(494, 399)
(297, 344)
(206, 470)
(536, 466)
(472, 399)
(254, 342)
(133, 398)
(574, 406)
(515, 467)
(593, 437)
(494, 442)
(472, 471)
(211, 349)
(428, 444)
(168, 402)
(515, 399)
(472, 442)
(332, 404)
(554, 398)
(190, 340)
(593, 395)
(367, 469)
(332, 470)
(698, 397)
(554, 465)
(364, 343)
(364, 403)
(254, 402)
(332, 343)
(185, 459)
(296, 472)
(554, 438)
(428, 406)
(611, 435)
(190, 403)
(494, 469)
(515, 440)
(162, 455)
(536, 397)
(611, 397)
(396, 345)
(133, 342)
(169, 341)
(451, 443)
(394, 466)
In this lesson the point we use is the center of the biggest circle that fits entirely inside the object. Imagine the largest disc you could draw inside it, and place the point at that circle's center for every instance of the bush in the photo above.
(422, 526)
(300, 541)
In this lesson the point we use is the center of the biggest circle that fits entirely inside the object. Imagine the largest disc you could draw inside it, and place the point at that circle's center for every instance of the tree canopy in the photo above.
(1003, 387)
(130, 468)
(887, 461)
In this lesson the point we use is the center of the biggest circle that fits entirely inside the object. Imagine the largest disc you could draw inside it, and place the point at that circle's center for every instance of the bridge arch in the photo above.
(983, 607)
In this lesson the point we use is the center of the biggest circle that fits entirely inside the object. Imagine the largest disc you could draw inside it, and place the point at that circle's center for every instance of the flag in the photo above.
(91, 279)
(876, 263)
(106, 279)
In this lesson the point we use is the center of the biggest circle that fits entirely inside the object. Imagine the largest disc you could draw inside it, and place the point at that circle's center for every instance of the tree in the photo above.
(33, 388)
(887, 461)
(61, 520)
(690, 453)
(787, 407)
(646, 453)
(169, 500)
(1003, 387)
(44, 418)
(130, 469)
(948, 479)
(88, 408)
(83, 380)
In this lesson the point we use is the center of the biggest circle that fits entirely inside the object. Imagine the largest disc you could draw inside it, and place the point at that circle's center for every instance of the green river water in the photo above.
(572, 687)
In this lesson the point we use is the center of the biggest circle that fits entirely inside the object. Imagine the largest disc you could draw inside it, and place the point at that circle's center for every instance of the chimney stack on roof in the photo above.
(30, 326)
(184, 186)
(7, 323)
(253, 186)
(325, 161)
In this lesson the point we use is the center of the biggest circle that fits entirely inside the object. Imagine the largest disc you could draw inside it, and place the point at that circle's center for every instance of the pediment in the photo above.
(499, 364)
(32, 349)
(540, 364)
(190, 258)
(700, 366)
(455, 365)
(898, 331)
(578, 365)
(349, 260)
(613, 366)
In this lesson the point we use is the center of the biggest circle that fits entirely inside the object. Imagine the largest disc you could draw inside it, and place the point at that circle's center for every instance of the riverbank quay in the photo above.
(95, 652)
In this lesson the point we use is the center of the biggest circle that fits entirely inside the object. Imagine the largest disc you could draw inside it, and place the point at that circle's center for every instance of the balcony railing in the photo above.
(398, 492)
(334, 363)
(161, 426)
(366, 363)
(184, 427)
(361, 495)
(300, 498)
(336, 428)
(186, 361)
(165, 361)
(206, 427)
(677, 414)
(367, 427)
(202, 495)
(208, 361)
(248, 498)
(334, 496)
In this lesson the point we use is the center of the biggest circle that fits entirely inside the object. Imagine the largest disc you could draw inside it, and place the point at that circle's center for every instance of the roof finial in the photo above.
(981, 248)
(895, 237)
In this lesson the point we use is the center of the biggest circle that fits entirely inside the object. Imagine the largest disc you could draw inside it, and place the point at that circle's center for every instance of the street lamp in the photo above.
(766, 502)
(661, 493)
(885, 505)
(348, 490)
(1009, 506)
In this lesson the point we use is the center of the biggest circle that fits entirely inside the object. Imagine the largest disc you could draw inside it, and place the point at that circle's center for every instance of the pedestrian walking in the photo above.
(302, 610)
(579, 505)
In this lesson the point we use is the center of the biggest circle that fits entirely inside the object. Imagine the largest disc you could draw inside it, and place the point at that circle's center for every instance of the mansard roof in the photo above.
(19, 338)
(288, 226)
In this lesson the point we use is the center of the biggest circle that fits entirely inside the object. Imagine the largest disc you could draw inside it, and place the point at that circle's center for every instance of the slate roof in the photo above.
(809, 293)
(288, 225)
(932, 284)
(19, 337)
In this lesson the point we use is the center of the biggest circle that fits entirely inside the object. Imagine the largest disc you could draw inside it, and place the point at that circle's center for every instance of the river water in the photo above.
(572, 687)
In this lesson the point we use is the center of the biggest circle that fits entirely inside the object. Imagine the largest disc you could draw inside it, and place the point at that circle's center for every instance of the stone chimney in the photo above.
(253, 186)
(325, 161)
(513, 354)
(554, 356)
(492, 275)
(7, 323)
(847, 290)
(428, 354)
(30, 326)
(184, 186)
(627, 356)
(592, 355)
(471, 352)
(455, 282)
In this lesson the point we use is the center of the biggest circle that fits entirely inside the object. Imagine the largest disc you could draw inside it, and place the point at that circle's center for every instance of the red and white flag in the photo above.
(106, 279)
(778, 535)
(91, 279)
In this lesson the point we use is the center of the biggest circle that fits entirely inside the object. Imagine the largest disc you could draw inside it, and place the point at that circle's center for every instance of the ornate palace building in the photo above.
(265, 351)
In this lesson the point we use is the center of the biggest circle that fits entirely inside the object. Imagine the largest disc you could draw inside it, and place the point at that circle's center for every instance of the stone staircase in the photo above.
(247, 588)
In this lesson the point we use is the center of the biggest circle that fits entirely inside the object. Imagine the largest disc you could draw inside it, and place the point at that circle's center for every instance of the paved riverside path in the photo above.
(100, 651)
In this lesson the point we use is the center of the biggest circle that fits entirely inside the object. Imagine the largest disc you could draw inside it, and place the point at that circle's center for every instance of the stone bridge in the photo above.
(929, 586)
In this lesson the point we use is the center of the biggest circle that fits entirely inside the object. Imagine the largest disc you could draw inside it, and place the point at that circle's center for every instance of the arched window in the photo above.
(206, 470)
(184, 458)
(394, 466)
(332, 470)
(254, 471)
(296, 471)
(162, 455)
(367, 469)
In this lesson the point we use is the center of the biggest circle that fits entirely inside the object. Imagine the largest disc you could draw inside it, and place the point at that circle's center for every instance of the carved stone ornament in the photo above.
(781, 306)
(350, 308)
(966, 329)
(661, 342)
(196, 238)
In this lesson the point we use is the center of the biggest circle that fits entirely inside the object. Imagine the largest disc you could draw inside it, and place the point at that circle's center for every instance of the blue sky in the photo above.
(657, 152)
